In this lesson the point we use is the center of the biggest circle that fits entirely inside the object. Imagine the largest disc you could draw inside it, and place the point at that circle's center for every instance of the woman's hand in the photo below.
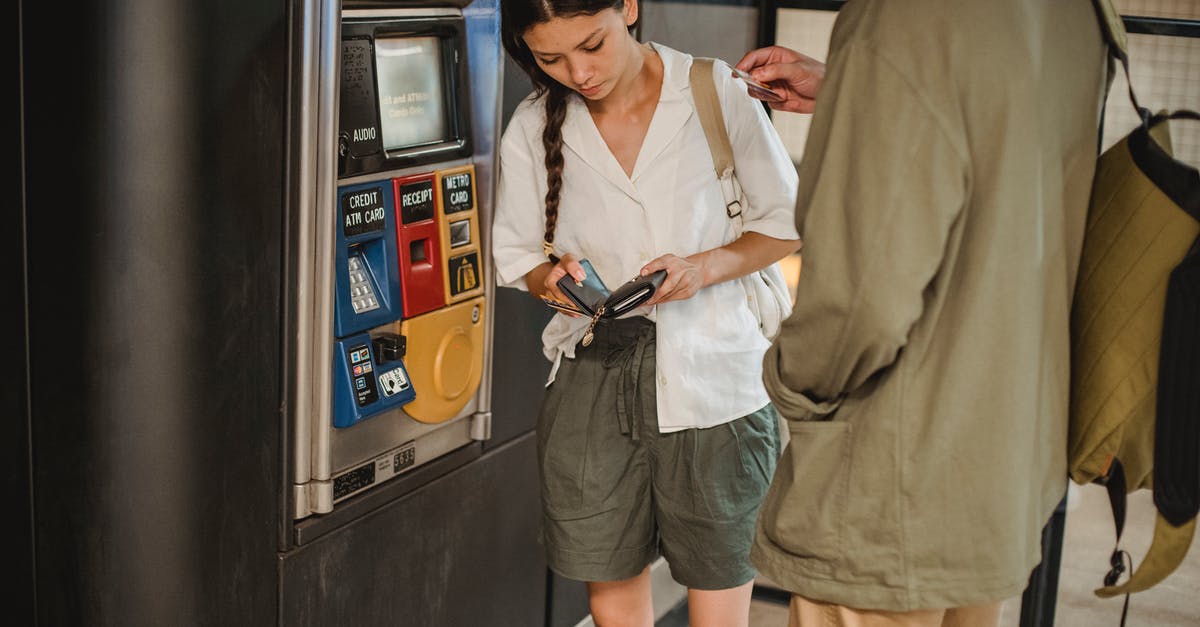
(684, 279)
(796, 76)
(542, 281)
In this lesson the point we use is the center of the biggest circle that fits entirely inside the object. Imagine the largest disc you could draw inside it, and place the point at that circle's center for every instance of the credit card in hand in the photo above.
(757, 89)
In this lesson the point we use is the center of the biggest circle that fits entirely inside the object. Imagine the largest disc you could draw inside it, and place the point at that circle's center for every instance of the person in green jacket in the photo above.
(924, 370)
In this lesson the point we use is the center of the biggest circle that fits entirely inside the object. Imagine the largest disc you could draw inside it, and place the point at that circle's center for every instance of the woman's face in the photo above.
(586, 53)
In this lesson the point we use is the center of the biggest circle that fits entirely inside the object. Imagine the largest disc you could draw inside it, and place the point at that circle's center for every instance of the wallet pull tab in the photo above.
(589, 335)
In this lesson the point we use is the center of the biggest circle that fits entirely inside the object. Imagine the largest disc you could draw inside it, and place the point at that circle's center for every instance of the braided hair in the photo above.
(517, 17)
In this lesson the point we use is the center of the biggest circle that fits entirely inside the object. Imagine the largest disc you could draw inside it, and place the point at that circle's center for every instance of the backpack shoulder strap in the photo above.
(1113, 28)
(708, 108)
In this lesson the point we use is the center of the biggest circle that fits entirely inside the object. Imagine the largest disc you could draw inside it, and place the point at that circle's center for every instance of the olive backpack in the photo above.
(1135, 337)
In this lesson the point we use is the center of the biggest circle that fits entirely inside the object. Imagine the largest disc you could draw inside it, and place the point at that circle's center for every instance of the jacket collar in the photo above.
(670, 116)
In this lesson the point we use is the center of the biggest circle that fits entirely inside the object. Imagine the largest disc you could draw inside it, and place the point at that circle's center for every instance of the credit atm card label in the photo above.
(416, 201)
(357, 109)
(456, 192)
(464, 273)
(363, 212)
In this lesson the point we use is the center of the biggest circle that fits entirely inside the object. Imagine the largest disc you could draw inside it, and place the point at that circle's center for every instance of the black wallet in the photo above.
(591, 298)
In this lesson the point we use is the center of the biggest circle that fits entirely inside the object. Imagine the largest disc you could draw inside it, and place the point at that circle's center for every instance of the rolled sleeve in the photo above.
(763, 166)
(791, 403)
(519, 222)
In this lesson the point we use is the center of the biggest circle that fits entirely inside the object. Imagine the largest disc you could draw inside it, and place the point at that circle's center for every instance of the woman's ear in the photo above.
(631, 12)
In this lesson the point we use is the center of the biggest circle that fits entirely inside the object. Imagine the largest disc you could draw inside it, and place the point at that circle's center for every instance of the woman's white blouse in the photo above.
(709, 349)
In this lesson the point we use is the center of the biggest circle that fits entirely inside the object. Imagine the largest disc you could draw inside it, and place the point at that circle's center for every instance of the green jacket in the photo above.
(924, 370)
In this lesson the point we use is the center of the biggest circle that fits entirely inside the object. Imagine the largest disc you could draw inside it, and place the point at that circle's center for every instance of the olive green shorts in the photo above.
(616, 493)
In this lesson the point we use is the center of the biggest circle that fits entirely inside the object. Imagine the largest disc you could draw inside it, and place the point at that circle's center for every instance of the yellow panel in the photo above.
(463, 276)
(463, 265)
(444, 359)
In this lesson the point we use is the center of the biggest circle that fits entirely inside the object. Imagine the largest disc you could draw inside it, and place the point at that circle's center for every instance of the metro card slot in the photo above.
(460, 233)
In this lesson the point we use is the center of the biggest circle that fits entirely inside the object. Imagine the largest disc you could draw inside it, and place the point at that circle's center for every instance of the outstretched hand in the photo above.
(795, 76)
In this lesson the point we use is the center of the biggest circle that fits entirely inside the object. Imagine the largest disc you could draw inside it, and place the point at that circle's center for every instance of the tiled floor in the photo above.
(1087, 542)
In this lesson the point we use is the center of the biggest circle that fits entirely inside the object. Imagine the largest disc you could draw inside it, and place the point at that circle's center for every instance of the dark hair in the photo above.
(517, 17)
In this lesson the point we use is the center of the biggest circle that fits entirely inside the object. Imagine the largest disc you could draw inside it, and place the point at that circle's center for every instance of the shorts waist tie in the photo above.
(629, 399)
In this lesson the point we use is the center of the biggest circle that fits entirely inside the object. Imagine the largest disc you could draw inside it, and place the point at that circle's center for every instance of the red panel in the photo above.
(422, 288)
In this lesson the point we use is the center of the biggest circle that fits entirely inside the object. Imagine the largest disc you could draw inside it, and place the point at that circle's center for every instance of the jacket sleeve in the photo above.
(882, 181)
(519, 223)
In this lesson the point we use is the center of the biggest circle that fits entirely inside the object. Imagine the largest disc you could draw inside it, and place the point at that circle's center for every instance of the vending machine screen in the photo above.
(411, 95)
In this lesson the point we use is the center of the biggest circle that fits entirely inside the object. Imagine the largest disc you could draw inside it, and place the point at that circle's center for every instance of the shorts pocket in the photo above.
(582, 454)
(758, 438)
(560, 443)
(730, 465)
(805, 505)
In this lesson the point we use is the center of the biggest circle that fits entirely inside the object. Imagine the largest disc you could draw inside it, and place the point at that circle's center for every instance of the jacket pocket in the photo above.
(805, 505)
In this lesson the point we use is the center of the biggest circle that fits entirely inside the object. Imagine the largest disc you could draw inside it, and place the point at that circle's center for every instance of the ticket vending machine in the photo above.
(404, 506)
(400, 300)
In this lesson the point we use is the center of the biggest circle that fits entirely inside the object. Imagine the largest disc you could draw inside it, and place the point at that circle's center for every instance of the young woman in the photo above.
(656, 435)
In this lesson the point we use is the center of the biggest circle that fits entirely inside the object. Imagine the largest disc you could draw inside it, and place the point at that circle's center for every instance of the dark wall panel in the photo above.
(519, 369)
(154, 178)
(462, 551)
(17, 598)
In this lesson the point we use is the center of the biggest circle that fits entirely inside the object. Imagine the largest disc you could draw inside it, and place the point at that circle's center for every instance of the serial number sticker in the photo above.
(353, 481)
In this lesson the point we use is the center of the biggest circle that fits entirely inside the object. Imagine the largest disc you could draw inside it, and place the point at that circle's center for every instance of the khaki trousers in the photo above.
(806, 613)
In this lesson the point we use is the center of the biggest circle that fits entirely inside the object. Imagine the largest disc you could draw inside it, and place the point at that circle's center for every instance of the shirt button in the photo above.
(662, 379)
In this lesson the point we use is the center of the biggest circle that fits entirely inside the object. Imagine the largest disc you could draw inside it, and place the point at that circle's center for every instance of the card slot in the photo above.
(632, 301)
(564, 307)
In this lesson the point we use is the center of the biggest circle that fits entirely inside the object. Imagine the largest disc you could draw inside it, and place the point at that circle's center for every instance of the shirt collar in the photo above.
(671, 114)
(676, 66)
